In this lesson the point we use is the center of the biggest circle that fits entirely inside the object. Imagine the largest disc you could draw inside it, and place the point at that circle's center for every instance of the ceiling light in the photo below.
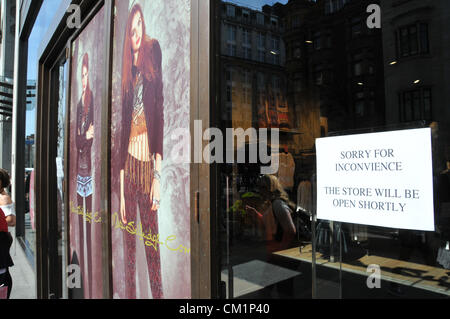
(393, 63)
(416, 81)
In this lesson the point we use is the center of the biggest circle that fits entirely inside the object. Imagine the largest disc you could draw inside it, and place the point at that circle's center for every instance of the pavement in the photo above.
(22, 273)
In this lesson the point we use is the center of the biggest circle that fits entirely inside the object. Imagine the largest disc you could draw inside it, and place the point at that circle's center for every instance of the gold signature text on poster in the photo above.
(151, 240)
(88, 216)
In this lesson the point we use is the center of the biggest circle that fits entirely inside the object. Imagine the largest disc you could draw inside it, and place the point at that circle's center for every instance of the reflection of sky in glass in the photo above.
(256, 4)
(45, 17)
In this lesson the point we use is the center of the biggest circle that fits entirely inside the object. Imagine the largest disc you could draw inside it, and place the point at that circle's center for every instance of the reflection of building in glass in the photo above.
(417, 63)
(334, 66)
(251, 70)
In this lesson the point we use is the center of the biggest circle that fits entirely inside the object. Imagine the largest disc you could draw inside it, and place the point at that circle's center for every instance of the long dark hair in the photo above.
(144, 63)
(88, 97)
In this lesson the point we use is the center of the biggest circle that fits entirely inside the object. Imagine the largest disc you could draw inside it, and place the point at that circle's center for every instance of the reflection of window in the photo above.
(297, 85)
(245, 15)
(231, 49)
(228, 93)
(231, 33)
(359, 108)
(413, 40)
(274, 21)
(415, 105)
(328, 43)
(260, 18)
(334, 5)
(261, 55)
(228, 75)
(230, 11)
(317, 41)
(261, 81)
(247, 87)
(356, 27)
(296, 21)
(276, 83)
(247, 53)
(274, 58)
(357, 63)
(357, 68)
(318, 74)
(246, 37)
(261, 40)
(275, 43)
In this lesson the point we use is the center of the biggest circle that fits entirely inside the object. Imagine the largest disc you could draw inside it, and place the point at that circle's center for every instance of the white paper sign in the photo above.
(380, 179)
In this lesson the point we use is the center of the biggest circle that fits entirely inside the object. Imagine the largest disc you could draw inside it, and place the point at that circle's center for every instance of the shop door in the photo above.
(57, 259)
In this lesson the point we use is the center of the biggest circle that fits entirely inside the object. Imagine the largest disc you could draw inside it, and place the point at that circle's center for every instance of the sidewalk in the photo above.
(23, 275)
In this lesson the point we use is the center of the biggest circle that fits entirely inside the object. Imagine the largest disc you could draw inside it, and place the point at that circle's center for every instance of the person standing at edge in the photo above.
(8, 219)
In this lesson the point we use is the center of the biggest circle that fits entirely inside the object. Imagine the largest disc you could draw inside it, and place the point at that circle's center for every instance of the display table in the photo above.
(415, 275)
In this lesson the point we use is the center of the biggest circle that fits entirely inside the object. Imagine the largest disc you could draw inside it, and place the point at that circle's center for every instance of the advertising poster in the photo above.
(379, 179)
(87, 68)
(149, 188)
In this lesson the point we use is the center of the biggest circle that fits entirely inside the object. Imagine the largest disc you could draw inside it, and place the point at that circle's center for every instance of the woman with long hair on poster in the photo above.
(84, 140)
(141, 147)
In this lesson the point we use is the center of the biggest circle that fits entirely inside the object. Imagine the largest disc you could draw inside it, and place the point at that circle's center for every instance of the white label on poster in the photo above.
(380, 179)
